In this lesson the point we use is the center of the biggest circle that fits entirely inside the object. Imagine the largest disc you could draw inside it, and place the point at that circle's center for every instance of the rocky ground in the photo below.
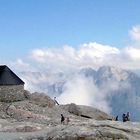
(38, 118)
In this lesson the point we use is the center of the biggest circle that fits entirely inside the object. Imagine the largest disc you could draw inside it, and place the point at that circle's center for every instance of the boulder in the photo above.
(42, 99)
(86, 112)
(74, 109)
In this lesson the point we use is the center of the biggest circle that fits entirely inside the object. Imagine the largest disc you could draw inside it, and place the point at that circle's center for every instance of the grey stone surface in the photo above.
(27, 120)
(86, 111)
(73, 108)
(76, 130)
(41, 99)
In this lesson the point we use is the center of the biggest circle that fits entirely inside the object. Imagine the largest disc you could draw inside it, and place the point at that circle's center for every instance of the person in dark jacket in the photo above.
(124, 118)
(62, 119)
(128, 116)
(116, 119)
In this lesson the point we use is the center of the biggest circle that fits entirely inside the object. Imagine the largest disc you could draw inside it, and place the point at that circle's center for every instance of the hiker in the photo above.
(124, 117)
(128, 116)
(55, 101)
(62, 119)
(116, 119)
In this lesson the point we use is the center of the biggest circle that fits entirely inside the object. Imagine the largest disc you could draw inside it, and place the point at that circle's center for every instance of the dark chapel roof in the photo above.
(8, 77)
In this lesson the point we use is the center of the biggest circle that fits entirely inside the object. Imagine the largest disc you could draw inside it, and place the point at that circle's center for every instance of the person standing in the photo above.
(62, 119)
(116, 119)
(56, 101)
(128, 116)
(124, 118)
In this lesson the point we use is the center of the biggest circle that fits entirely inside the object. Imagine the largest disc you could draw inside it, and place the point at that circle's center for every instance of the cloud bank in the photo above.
(90, 54)
(82, 90)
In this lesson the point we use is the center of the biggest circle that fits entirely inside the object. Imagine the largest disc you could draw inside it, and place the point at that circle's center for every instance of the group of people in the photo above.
(64, 120)
(125, 117)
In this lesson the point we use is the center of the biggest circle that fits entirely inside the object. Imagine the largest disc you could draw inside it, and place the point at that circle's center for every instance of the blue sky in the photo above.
(29, 24)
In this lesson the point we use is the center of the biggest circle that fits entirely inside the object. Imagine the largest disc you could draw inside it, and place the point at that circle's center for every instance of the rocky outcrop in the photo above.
(41, 99)
(86, 112)
(74, 109)
(30, 120)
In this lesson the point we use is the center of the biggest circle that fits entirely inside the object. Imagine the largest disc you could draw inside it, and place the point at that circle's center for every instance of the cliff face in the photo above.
(30, 120)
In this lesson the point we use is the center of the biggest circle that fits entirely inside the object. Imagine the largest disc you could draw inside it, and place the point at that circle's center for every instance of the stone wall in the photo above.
(12, 93)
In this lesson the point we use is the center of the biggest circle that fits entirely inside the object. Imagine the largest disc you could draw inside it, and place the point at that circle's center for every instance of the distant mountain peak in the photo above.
(113, 72)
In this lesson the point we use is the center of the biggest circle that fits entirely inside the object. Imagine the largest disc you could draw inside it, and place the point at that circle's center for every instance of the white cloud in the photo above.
(95, 50)
(39, 54)
(133, 53)
(130, 56)
(20, 65)
(135, 33)
(82, 91)
(85, 55)
(67, 57)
